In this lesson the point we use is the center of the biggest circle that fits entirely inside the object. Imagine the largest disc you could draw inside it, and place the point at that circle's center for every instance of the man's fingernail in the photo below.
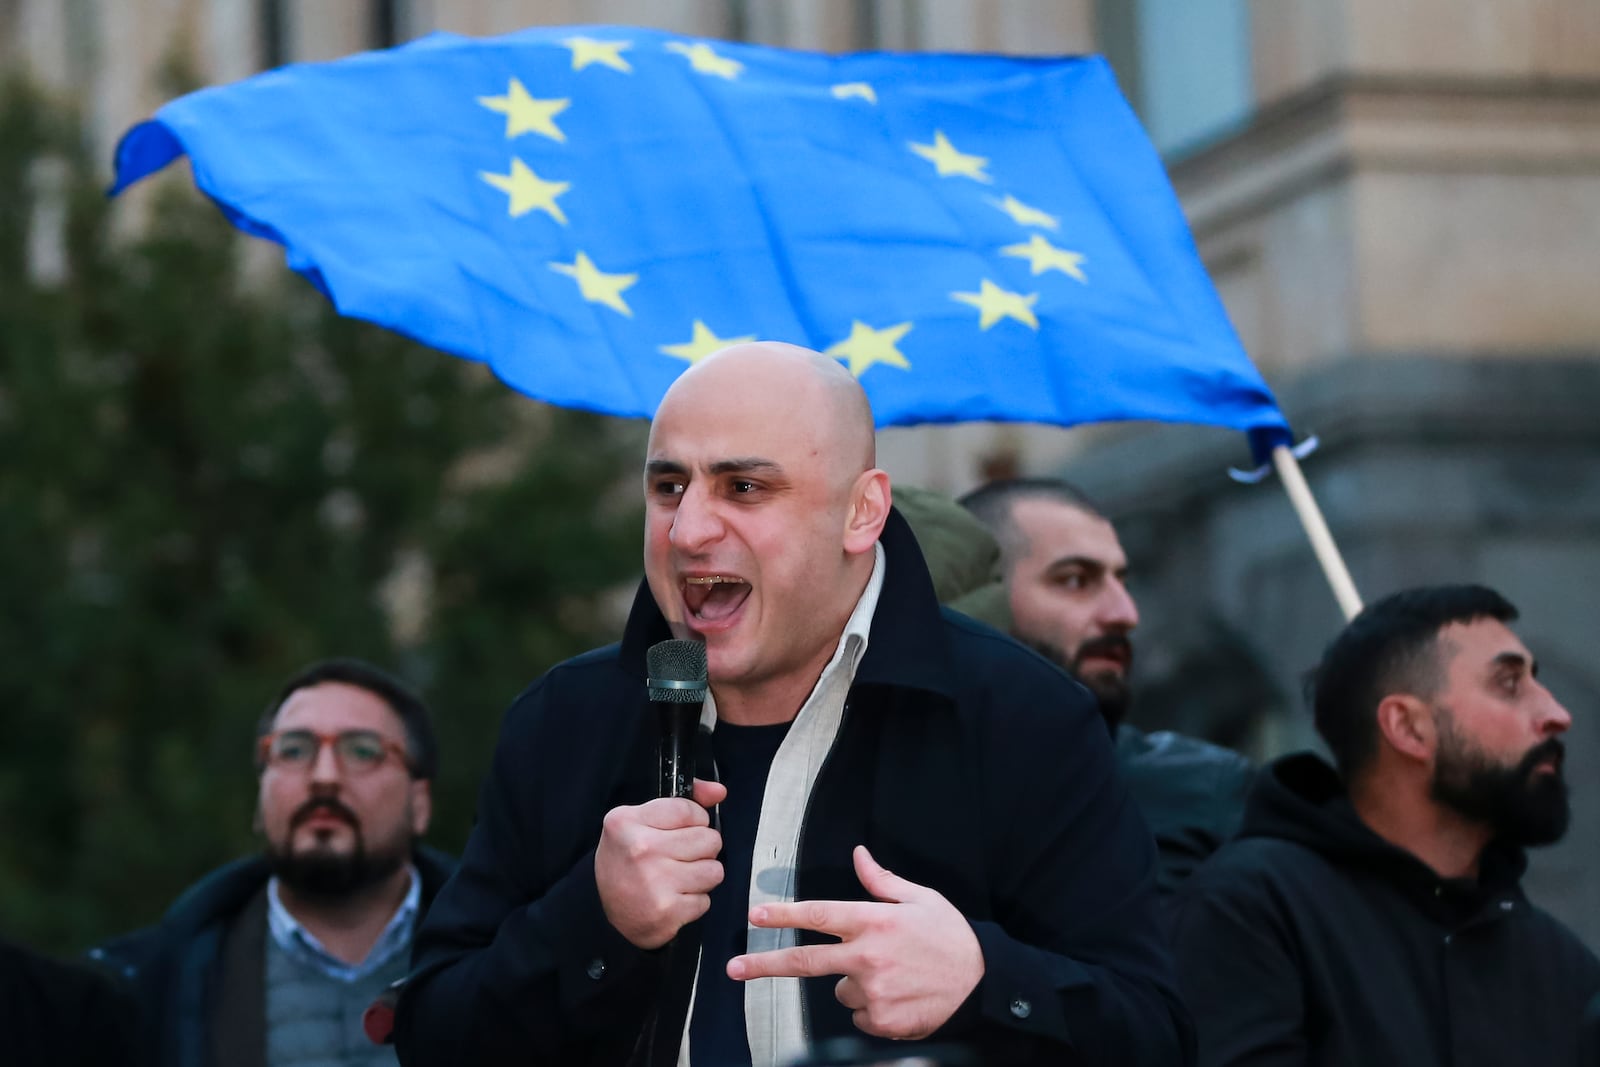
(736, 967)
(758, 915)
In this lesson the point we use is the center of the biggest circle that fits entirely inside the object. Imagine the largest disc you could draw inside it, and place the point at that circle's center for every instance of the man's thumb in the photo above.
(880, 881)
(708, 794)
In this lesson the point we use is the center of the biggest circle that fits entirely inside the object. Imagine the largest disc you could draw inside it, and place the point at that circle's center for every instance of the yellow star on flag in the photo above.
(996, 303)
(528, 191)
(1023, 215)
(845, 90)
(586, 50)
(947, 160)
(524, 114)
(702, 344)
(866, 347)
(1042, 256)
(597, 286)
(704, 60)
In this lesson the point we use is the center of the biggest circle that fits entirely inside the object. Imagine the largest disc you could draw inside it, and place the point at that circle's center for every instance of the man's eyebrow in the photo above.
(1086, 562)
(1517, 659)
(656, 467)
(745, 465)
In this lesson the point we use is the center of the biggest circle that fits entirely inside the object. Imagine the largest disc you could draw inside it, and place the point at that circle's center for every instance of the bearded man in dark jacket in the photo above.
(274, 959)
(917, 831)
(1373, 914)
(1065, 595)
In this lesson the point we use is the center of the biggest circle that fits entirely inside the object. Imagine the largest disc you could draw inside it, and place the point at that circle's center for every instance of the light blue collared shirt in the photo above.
(301, 944)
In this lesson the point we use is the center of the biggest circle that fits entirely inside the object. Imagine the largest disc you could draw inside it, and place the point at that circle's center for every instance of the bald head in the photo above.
(800, 387)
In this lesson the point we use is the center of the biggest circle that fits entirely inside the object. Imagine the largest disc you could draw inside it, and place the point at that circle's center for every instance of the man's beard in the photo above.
(1521, 806)
(1110, 688)
(319, 873)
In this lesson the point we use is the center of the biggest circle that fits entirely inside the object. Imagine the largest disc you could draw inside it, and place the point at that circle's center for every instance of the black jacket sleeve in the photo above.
(515, 961)
(1077, 958)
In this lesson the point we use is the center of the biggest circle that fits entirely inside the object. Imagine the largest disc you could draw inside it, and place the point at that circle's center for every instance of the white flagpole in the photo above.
(1305, 507)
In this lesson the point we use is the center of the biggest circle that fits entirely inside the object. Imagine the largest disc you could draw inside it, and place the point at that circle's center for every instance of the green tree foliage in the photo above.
(208, 479)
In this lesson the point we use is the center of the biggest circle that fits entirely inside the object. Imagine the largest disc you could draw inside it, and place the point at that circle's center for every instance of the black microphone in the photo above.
(677, 681)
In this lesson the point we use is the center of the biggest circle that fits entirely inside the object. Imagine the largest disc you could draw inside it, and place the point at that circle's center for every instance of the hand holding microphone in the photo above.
(656, 863)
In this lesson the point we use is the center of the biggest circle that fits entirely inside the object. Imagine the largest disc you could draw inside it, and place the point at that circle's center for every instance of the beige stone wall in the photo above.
(1485, 263)
(319, 30)
(1475, 38)
(1301, 42)
(486, 17)
(1020, 27)
(1370, 213)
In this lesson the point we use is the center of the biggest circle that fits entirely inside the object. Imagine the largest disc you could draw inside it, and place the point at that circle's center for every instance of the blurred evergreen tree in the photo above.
(208, 479)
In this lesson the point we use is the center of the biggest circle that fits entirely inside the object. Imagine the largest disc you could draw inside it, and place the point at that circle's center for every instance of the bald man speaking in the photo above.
(904, 826)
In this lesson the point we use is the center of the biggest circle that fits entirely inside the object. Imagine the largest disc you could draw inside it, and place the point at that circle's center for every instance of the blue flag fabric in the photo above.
(591, 210)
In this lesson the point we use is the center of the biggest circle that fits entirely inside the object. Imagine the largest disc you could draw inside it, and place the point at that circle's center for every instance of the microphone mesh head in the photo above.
(676, 662)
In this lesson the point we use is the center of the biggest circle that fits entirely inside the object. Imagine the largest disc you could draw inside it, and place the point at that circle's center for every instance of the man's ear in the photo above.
(869, 510)
(1407, 724)
(421, 806)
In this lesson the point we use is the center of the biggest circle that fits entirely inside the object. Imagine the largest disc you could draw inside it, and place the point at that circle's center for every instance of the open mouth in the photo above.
(713, 598)
(1545, 759)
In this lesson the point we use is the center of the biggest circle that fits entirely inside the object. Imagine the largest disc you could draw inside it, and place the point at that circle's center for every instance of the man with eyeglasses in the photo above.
(273, 959)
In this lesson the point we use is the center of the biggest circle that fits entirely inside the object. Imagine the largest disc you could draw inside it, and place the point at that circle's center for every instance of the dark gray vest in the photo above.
(313, 1020)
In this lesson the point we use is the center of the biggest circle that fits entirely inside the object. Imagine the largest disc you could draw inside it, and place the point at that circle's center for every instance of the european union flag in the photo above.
(590, 210)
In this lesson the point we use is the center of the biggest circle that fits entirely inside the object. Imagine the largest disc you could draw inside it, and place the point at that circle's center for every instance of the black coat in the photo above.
(174, 968)
(964, 761)
(1311, 940)
(56, 1014)
(1190, 792)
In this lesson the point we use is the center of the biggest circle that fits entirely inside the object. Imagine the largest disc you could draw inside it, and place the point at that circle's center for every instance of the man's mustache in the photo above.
(1549, 750)
(1108, 646)
(316, 805)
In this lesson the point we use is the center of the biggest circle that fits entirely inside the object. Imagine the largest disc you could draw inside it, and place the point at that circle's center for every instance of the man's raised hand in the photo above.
(908, 959)
(656, 864)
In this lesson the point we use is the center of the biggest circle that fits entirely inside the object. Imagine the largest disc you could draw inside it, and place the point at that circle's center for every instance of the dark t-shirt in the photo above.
(744, 755)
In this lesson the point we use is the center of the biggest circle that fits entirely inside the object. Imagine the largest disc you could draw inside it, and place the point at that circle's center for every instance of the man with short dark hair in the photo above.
(1065, 575)
(1372, 914)
(914, 832)
(272, 960)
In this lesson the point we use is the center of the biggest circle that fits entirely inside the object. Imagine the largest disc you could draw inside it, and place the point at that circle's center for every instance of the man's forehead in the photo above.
(733, 437)
(696, 440)
(1479, 642)
(333, 706)
(1057, 529)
